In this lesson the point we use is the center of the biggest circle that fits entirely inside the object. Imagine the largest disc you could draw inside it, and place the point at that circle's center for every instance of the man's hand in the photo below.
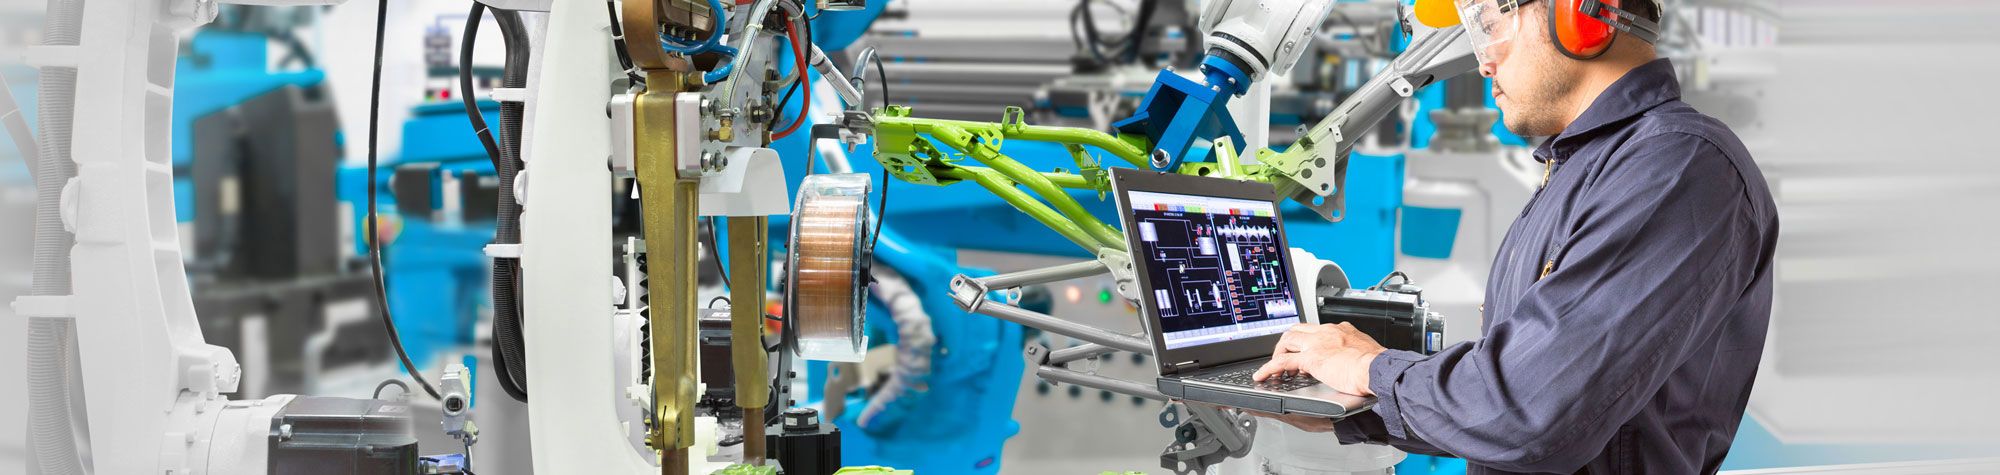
(1336, 355)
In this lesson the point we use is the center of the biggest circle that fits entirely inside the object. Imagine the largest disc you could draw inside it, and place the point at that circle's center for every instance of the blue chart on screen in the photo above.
(1217, 267)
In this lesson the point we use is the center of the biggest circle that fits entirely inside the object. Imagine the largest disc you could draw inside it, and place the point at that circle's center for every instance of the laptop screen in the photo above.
(1217, 266)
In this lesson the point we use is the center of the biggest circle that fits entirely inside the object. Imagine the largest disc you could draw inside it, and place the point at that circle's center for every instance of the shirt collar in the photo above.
(1640, 90)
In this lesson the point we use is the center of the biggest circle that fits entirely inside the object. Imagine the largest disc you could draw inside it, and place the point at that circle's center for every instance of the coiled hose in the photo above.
(914, 341)
(507, 338)
(49, 339)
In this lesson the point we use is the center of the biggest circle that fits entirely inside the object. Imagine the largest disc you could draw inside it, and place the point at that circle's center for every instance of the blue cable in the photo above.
(714, 36)
(712, 44)
(721, 73)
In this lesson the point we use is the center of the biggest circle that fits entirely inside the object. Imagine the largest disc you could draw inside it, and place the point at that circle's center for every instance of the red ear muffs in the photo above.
(1585, 29)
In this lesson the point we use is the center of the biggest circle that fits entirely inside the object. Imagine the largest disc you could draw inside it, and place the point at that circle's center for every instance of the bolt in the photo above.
(285, 432)
(1160, 158)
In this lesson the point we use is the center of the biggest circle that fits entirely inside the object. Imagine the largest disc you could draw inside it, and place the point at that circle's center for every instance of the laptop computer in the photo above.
(1217, 291)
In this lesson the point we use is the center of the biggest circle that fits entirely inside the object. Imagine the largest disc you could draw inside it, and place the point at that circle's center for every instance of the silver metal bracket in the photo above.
(1208, 437)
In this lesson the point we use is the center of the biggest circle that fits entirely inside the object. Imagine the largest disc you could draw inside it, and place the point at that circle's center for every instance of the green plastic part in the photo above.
(872, 470)
(745, 469)
(935, 152)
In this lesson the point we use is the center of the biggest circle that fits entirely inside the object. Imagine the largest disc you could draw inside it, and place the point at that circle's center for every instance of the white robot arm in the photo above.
(1247, 39)
(1262, 35)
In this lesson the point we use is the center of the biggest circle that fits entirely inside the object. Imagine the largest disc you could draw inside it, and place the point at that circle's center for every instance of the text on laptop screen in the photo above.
(1217, 270)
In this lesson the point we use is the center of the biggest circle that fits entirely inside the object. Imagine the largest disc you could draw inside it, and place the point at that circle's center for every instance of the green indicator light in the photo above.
(1104, 295)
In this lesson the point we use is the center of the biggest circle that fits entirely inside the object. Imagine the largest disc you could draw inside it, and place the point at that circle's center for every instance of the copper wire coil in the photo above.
(827, 271)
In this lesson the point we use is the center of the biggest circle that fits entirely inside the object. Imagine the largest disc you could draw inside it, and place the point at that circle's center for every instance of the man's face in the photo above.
(1531, 81)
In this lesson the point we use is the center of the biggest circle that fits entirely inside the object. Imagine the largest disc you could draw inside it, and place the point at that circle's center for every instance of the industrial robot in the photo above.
(674, 105)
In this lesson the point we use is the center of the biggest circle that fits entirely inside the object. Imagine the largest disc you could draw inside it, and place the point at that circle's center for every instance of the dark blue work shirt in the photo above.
(1625, 312)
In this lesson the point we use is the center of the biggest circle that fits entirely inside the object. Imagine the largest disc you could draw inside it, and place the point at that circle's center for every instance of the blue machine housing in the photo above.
(436, 271)
(217, 71)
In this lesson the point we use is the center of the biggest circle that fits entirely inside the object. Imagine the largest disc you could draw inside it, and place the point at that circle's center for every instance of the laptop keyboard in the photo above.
(1242, 378)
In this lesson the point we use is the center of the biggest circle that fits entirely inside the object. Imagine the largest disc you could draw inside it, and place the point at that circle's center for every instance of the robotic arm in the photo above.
(1255, 38)
(1182, 125)
(1436, 56)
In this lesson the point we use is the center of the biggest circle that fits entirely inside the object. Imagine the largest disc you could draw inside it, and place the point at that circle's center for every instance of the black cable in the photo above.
(805, 109)
(719, 298)
(882, 77)
(779, 112)
(295, 51)
(715, 251)
(773, 408)
(374, 236)
(618, 45)
(1137, 36)
(1090, 39)
(1392, 275)
(882, 206)
(472, 113)
(387, 383)
(509, 344)
(1126, 46)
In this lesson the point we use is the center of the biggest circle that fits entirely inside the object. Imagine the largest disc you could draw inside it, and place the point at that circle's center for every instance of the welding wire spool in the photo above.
(827, 268)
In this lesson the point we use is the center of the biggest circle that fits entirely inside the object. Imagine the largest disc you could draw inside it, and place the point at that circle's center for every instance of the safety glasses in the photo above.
(1490, 24)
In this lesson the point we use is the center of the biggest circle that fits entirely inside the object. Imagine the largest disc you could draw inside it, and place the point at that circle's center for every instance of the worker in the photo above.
(1627, 306)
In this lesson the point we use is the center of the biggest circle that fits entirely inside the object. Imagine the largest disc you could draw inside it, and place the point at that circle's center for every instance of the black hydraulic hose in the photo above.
(1090, 38)
(472, 113)
(1137, 37)
(374, 236)
(508, 342)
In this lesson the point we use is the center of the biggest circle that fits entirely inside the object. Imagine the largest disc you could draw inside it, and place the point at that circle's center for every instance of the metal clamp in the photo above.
(970, 293)
(1206, 438)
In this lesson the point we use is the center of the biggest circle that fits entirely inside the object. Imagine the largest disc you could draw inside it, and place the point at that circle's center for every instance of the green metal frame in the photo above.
(932, 152)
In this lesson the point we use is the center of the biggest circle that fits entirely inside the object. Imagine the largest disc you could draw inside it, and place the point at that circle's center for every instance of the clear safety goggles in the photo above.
(1489, 25)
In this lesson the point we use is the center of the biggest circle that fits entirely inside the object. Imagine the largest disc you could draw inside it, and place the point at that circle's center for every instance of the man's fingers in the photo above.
(1279, 364)
(1295, 339)
(1289, 341)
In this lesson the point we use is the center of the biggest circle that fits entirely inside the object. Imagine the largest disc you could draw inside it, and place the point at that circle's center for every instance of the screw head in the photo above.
(1161, 158)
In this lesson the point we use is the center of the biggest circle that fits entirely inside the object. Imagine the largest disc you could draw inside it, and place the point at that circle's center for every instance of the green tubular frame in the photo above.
(908, 148)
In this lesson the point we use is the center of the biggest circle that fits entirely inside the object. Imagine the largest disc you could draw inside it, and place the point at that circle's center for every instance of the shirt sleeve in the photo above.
(1663, 243)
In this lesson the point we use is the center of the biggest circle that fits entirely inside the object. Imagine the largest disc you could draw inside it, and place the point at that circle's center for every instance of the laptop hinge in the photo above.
(1183, 366)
